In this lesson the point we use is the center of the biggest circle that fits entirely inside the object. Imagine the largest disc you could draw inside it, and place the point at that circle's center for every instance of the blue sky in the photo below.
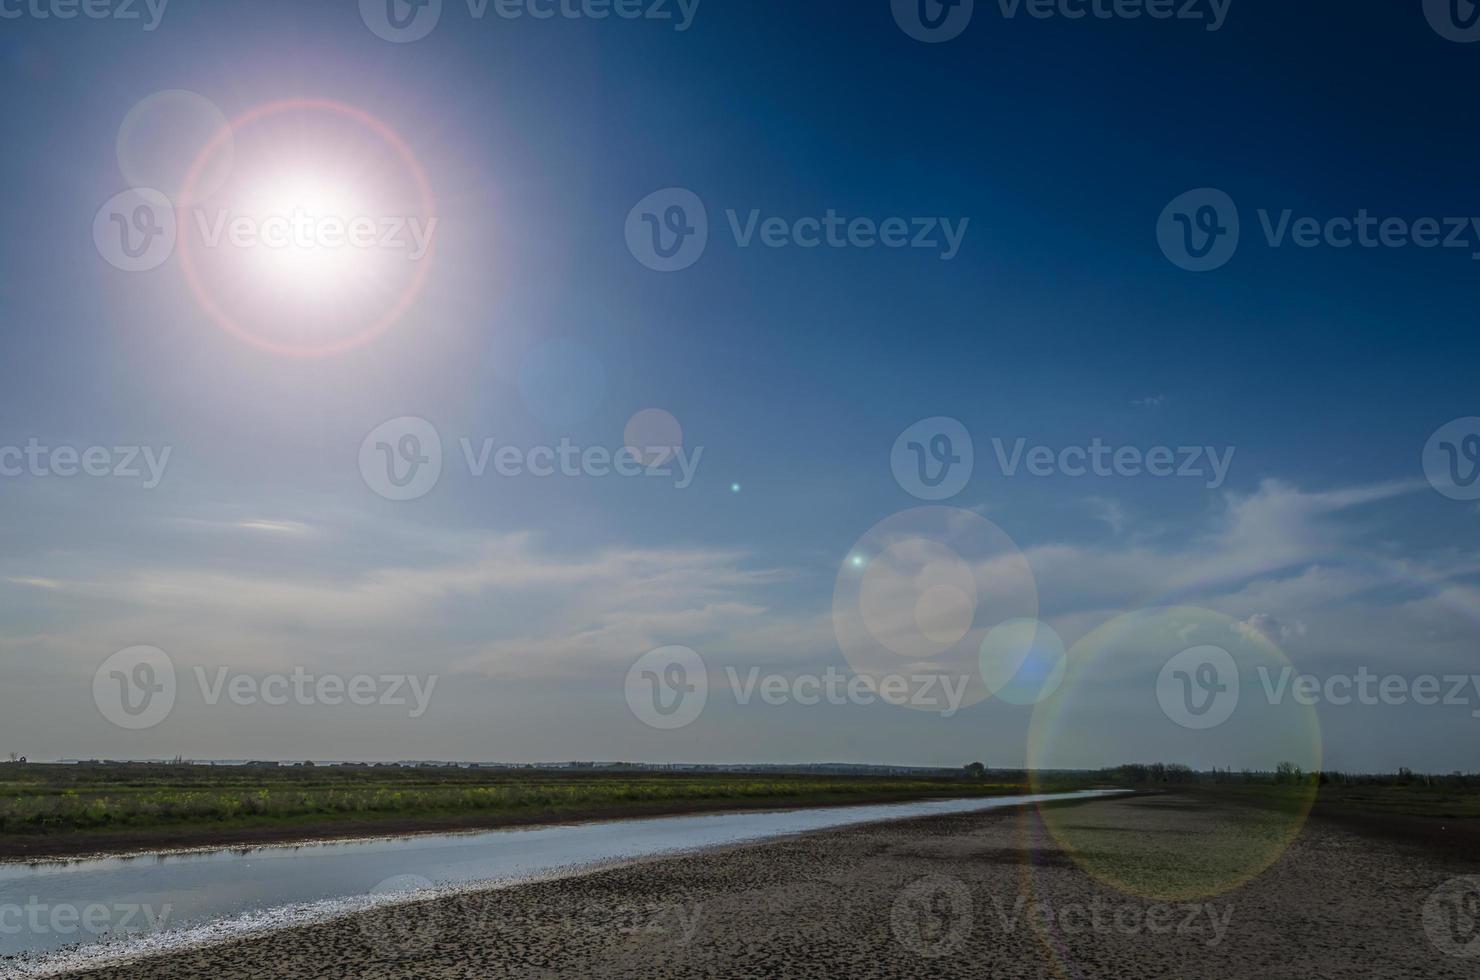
(1060, 321)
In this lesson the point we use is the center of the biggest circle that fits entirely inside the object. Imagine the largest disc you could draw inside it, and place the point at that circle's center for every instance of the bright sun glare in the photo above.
(320, 236)
(305, 228)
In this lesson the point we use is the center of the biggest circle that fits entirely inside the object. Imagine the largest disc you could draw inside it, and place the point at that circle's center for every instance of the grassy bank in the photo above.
(93, 802)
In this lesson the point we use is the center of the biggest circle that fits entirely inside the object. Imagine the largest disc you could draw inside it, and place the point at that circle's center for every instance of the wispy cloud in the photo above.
(256, 525)
(275, 527)
(1110, 512)
(1285, 562)
(35, 583)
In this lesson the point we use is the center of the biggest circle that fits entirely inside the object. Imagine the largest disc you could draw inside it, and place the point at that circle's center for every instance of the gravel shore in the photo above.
(985, 895)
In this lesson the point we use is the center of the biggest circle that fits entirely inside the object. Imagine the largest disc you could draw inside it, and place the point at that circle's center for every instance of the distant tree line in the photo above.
(1284, 773)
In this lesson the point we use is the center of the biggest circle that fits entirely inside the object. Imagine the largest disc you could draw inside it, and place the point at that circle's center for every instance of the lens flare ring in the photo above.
(916, 596)
(226, 137)
(1118, 670)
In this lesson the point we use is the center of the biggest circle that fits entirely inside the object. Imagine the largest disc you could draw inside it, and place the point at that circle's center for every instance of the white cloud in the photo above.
(1286, 563)
(1263, 626)
(537, 613)
(1110, 512)
(35, 583)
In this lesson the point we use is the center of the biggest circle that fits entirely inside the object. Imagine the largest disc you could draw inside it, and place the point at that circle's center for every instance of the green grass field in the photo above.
(50, 805)
(57, 799)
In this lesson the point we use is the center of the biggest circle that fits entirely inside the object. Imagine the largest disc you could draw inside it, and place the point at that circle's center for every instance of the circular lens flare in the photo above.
(159, 137)
(916, 596)
(322, 238)
(1167, 691)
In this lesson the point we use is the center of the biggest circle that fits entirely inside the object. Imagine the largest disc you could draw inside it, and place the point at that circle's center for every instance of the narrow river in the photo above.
(56, 915)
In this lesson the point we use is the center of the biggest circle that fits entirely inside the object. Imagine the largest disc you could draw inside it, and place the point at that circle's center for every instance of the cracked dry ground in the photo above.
(988, 895)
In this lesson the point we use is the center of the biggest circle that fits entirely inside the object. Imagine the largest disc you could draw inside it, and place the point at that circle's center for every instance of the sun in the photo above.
(307, 232)
(321, 236)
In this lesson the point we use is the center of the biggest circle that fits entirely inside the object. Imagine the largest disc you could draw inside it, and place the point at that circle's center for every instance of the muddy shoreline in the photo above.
(954, 896)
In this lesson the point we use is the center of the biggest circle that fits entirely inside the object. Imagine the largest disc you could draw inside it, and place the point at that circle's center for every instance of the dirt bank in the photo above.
(985, 895)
